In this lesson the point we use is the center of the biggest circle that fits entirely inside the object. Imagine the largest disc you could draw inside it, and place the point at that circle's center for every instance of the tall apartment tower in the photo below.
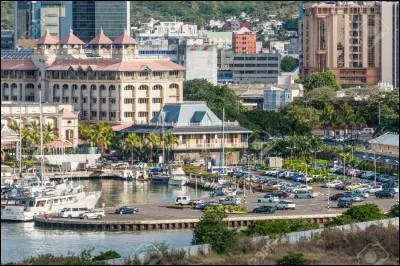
(23, 16)
(90, 17)
(390, 43)
(244, 41)
(344, 38)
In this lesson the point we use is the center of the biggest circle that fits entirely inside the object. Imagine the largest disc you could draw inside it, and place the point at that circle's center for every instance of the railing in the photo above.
(210, 146)
(235, 123)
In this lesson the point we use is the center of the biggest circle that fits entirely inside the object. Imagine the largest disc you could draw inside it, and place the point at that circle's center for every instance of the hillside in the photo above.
(199, 12)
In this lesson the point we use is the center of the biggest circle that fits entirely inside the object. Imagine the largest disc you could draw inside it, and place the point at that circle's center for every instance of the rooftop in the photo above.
(71, 39)
(47, 39)
(388, 138)
(101, 39)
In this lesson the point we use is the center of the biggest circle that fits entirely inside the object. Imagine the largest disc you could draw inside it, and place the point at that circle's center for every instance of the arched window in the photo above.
(29, 86)
(111, 88)
(65, 87)
(83, 87)
(102, 88)
(5, 86)
(129, 88)
(157, 87)
(143, 88)
(174, 86)
(74, 87)
(56, 87)
(93, 87)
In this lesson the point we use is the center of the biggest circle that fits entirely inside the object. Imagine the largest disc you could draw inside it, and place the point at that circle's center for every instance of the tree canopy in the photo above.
(321, 79)
(289, 63)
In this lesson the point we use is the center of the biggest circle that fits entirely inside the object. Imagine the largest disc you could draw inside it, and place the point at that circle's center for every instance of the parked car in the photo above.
(265, 209)
(302, 188)
(384, 194)
(126, 210)
(280, 194)
(200, 163)
(273, 172)
(345, 203)
(354, 196)
(268, 198)
(343, 185)
(72, 212)
(353, 186)
(336, 196)
(374, 189)
(393, 190)
(305, 195)
(285, 205)
(230, 201)
(333, 183)
(367, 130)
(203, 205)
(93, 214)
(182, 200)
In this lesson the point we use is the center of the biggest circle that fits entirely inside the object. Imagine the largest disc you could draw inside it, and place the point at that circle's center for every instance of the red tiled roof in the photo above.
(124, 39)
(116, 65)
(71, 39)
(18, 64)
(67, 113)
(46, 39)
(60, 144)
(101, 39)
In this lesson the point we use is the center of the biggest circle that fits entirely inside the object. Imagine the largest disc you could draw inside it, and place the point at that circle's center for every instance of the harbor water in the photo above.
(22, 240)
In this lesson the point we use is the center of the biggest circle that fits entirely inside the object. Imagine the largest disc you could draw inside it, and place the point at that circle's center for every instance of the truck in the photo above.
(230, 200)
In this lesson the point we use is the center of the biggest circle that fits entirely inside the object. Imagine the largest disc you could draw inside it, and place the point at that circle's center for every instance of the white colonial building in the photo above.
(106, 81)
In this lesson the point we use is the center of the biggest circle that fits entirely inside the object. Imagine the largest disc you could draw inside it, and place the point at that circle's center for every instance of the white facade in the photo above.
(61, 116)
(201, 62)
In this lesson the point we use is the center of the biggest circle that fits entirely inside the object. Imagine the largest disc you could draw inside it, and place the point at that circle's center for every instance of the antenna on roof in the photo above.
(101, 30)
(70, 30)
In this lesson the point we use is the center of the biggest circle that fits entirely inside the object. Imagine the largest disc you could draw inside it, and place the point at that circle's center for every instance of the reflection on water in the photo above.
(21, 240)
(121, 192)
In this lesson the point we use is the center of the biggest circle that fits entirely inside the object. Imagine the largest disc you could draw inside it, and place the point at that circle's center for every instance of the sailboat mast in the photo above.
(163, 138)
(222, 155)
(41, 136)
(20, 141)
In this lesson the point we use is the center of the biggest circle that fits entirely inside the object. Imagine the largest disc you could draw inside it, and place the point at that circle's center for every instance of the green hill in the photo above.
(199, 12)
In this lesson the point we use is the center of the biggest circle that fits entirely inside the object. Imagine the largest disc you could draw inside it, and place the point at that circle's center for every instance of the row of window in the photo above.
(142, 100)
(272, 58)
(255, 65)
(140, 114)
(101, 87)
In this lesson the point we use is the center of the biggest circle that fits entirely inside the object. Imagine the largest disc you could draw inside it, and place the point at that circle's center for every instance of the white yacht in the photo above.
(24, 206)
(178, 177)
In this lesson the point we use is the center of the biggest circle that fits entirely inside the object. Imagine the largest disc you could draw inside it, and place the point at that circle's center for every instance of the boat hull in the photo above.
(176, 182)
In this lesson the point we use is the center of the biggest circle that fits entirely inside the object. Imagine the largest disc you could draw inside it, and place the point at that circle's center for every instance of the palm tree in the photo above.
(328, 117)
(50, 134)
(133, 141)
(205, 154)
(104, 135)
(33, 132)
(152, 142)
(171, 140)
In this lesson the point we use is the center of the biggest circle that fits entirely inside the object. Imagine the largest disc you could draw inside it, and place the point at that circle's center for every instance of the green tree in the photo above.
(213, 229)
(152, 142)
(132, 141)
(289, 63)
(170, 141)
(361, 213)
(321, 79)
(394, 211)
(307, 116)
(104, 135)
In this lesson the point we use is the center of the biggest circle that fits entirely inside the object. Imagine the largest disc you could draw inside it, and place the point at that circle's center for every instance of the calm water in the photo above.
(21, 240)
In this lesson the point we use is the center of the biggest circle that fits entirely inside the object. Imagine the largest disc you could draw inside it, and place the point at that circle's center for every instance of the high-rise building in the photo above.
(7, 40)
(344, 38)
(244, 41)
(89, 17)
(23, 11)
(301, 17)
(390, 43)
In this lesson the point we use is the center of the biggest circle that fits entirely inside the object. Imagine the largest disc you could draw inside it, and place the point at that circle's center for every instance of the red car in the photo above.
(336, 196)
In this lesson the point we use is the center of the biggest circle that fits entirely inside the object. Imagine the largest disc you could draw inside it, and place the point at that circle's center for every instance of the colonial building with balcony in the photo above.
(198, 130)
(105, 81)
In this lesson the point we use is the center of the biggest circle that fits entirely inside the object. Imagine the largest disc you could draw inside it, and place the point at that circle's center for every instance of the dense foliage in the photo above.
(292, 259)
(276, 228)
(289, 63)
(359, 213)
(320, 79)
(213, 230)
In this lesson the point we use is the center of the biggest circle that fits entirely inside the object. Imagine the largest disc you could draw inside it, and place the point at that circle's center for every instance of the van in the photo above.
(367, 130)
(72, 212)
(182, 200)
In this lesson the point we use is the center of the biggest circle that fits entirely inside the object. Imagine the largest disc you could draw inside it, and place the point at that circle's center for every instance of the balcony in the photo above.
(200, 146)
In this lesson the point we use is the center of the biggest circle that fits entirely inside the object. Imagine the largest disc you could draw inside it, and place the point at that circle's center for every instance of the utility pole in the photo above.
(20, 142)
(379, 113)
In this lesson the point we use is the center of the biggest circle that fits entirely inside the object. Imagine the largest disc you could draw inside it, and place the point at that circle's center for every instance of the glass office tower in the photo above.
(90, 16)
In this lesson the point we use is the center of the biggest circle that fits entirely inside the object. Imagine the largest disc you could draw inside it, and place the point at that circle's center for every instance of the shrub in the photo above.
(394, 211)
(360, 213)
(275, 228)
(28, 163)
(108, 255)
(213, 229)
(292, 259)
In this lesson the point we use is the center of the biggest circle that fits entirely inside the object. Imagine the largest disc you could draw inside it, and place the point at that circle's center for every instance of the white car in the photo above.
(285, 205)
(305, 195)
(268, 198)
(200, 163)
(373, 189)
(182, 200)
(333, 183)
(72, 212)
(230, 201)
(272, 172)
(93, 214)
(301, 188)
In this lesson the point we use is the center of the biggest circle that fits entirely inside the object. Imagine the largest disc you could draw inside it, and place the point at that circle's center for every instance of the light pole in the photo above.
(328, 196)
(291, 155)
(375, 159)
(41, 136)
(379, 113)
(315, 158)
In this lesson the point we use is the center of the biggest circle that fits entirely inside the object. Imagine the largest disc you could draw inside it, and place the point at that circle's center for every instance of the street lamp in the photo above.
(379, 113)
(375, 159)
(291, 155)
(315, 158)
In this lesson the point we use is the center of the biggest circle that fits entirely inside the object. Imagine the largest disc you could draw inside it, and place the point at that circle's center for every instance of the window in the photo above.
(128, 100)
(112, 114)
(129, 74)
(112, 100)
(155, 113)
(143, 100)
(157, 100)
(84, 100)
(129, 88)
(157, 87)
(103, 100)
(143, 114)
(103, 114)
(127, 114)
(174, 86)
(143, 87)
(94, 100)
(157, 74)
(74, 99)
(30, 98)
(173, 73)
(93, 113)
(143, 74)
(112, 88)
